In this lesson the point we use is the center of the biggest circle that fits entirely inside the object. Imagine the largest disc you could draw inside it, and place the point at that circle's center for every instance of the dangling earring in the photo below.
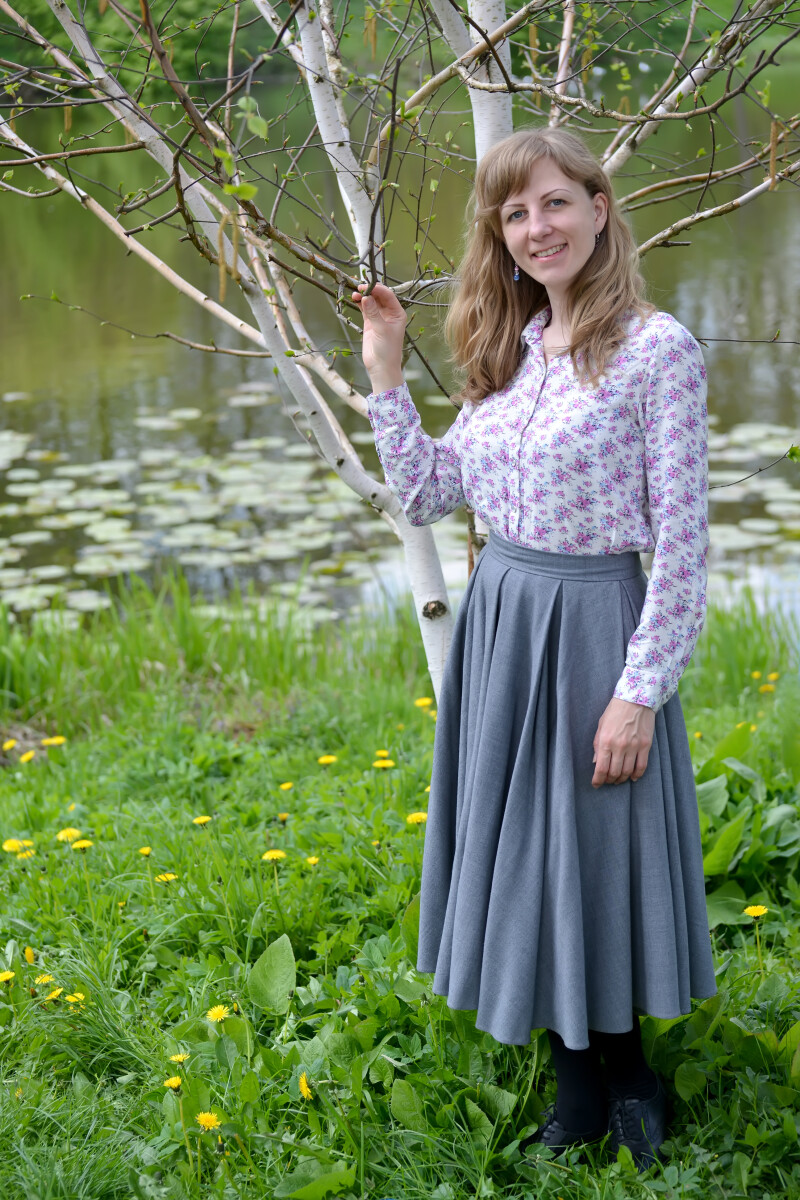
(516, 272)
(596, 238)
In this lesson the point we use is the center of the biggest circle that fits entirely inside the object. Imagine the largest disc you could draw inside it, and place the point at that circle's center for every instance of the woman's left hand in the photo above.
(622, 742)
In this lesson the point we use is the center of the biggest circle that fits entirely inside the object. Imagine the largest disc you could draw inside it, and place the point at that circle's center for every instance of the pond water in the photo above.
(131, 454)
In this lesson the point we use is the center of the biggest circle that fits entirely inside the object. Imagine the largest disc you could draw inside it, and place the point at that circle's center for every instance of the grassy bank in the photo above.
(321, 1062)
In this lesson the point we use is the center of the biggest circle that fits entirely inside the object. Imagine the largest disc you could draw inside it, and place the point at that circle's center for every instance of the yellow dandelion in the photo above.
(200, 820)
(121, 903)
(384, 762)
(756, 910)
(283, 818)
(27, 756)
(82, 844)
(376, 841)
(174, 1082)
(68, 835)
(56, 992)
(424, 702)
(312, 860)
(218, 1012)
(401, 726)
(697, 733)
(765, 687)
(773, 675)
(42, 979)
(178, 1058)
(432, 712)
(428, 788)
(273, 855)
(753, 728)
(30, 955)
(755, 674)
(417, 818)
(286, 787)
(12, 845)
(76, 998)
(325, 759)
(58, 740)
(208, 1121)
(18, 1093)
(9, 743)
(71, 807)
(146, 851)
(26, 854)
(6, 976)
(305, 1090)
(166, 877)
(381, 753)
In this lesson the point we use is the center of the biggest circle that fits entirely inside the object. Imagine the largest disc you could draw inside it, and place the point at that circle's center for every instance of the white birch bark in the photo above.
(491, 111)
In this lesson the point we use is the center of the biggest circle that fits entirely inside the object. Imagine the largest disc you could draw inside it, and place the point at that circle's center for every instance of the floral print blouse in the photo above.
(564, 467)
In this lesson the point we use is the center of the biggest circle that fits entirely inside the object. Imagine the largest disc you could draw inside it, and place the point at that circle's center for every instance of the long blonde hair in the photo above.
(489, 310)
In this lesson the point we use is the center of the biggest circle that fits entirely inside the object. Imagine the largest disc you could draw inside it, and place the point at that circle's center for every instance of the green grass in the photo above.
(170, 715)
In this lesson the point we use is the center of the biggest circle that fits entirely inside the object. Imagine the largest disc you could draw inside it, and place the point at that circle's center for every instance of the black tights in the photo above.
(581, 1102)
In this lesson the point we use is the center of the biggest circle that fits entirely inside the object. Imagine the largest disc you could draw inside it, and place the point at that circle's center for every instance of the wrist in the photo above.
(384, 380)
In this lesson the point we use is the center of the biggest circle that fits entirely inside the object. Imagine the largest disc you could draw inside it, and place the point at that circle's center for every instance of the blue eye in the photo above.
(557, 200)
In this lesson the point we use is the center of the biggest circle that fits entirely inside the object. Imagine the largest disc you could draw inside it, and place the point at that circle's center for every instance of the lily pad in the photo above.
(86, 600)
(31, 537)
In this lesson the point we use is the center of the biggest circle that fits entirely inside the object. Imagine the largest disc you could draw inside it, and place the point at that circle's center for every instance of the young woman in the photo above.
(562, 879)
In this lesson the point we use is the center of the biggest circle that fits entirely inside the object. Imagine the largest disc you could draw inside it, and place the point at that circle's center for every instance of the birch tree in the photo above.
(392, 97)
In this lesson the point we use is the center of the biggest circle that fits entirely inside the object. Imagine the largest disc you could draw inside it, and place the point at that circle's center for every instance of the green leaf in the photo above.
(790, 1040)
(410, 929)
(407, 1107)
(242, 191)
(240, 1031)
(712, 796)
(342, 1048)
(226, 1051)
(718, 857)
(273, 977)
(793, 452)
(690, 1080)
(734, 744)
(313, 1180)
(497, 1102)
(259, 127)
(726, 906)
(478, 1121)
(250, 1089)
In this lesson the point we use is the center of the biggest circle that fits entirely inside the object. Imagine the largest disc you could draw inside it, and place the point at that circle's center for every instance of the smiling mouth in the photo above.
(549, 252)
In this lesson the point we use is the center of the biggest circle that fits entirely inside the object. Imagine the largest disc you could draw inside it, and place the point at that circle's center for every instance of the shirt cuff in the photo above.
(638, 688)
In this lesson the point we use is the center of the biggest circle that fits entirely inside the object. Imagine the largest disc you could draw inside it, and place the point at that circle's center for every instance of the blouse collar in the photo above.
(532, 333)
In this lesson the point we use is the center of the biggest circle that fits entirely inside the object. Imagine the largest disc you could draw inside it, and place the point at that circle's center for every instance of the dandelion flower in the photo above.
(82, 844)
(146, 851)
(697, 733)
(174, 1082)
(376, 842)
(756, 910)
(76, 998)
(200, 820)
(30, 955)
(27, 756)
(178, 1058)
(283, 818)
(381, 753)
(56, 992)
(286, 787)
(166, 877)
(755, 674)
(218, 1012)
(12, 845)
(71, 807)
(9, 743)
(325, 759)
(753, 728)
(19, 1093)
(401, 726)
(773, 675)
(305, 1090)
(58, 740)
(68, 835)
(26, 854)
(42, 979)
(424, 702)
(416, 818)
(739, 724)
(765, 687)
(6, 976)
(273, 855)
(428, 788)
(312, 860)
(384, 762)
(208, 1121)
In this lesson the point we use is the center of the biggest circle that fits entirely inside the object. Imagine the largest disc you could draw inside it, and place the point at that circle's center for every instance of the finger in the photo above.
(641, 765)
(628, 764)
(600, 776)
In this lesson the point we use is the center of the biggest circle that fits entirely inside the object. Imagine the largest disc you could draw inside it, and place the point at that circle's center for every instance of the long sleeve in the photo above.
(423, 472)
(676, 460)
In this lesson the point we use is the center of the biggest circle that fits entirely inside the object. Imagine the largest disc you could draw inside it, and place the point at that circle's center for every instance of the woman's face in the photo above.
(549, 227)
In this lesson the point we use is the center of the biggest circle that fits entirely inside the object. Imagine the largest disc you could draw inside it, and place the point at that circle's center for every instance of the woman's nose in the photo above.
(538, 225)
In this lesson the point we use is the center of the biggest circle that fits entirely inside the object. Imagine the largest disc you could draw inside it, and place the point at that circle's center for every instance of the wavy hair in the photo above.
(489, 310)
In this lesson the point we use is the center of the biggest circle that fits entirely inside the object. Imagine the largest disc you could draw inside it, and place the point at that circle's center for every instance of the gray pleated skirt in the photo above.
(546, 902)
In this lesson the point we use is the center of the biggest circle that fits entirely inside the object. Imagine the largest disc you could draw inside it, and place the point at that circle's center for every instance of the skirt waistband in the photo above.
(626, 565)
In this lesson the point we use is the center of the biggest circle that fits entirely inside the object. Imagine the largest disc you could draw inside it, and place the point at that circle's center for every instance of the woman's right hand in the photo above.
(384, 328)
